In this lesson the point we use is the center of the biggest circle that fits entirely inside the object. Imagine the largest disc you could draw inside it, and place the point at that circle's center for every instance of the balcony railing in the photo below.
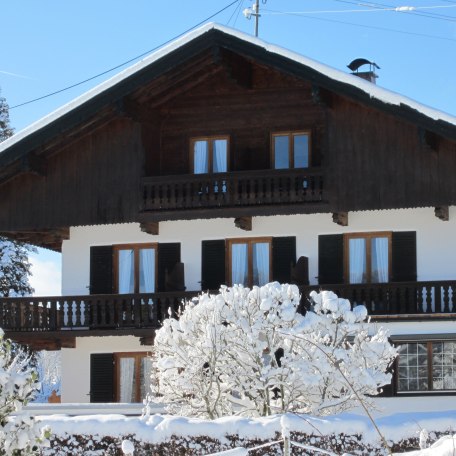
(234, 189)
(135, 311)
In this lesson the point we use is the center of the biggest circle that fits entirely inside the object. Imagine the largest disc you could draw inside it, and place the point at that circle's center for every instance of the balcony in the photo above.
(238, 190)
(133, 313)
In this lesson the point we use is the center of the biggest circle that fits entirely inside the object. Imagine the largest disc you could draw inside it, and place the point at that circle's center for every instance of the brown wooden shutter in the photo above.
(101, 276)
(168, 255)
(101, 377)
(404, 256)
(212, 264)
(283, 258)
(330, 259)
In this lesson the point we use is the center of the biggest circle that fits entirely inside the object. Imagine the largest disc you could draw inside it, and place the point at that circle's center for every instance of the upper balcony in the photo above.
(249, 192)
(55, 321)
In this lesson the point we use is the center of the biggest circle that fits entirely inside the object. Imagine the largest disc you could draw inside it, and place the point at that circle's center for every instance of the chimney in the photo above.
(370, 75)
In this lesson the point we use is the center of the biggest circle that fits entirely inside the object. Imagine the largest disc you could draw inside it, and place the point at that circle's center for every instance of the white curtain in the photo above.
(239, 264)
(147, 270)
(126, 271)
(219, 156)
(357, 261)
(379, 258)
(127, 380)
(200, 157)
(146, 381)
(260, 263)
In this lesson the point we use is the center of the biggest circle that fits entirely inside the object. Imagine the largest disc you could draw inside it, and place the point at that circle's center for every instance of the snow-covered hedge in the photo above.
(178, 436)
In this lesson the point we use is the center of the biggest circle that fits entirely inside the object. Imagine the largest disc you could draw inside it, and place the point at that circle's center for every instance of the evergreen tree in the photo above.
(15, 267)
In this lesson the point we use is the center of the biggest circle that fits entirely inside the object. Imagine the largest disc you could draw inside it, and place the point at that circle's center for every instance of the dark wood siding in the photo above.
(101, 377)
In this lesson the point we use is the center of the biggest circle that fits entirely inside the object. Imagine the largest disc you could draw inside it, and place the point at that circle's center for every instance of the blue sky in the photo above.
(51, 44)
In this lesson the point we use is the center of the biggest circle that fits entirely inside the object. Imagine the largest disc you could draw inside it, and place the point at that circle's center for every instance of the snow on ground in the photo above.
(157, 429)
(446, 446)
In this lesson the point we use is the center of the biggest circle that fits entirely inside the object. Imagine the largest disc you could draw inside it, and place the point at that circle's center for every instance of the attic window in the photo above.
(291, 150)
(209, 154)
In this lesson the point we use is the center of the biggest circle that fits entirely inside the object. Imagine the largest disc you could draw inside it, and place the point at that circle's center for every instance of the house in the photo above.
(222, 159)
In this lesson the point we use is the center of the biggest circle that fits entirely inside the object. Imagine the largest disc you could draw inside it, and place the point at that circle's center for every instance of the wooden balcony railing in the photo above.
(234, 189)
(130, 311)
(398, 298)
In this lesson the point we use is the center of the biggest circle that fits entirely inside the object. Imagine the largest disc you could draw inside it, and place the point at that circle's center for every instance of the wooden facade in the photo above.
(110, 160)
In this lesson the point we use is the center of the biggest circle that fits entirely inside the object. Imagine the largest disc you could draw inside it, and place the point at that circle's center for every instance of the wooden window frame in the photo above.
(138, 356)
(136, 248)
(368, 237)
(291, 135)
(249, 242)
(430, 369)
(210, 140)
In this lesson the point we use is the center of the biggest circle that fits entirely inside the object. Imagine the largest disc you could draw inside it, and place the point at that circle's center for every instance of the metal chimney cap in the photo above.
(355, 64)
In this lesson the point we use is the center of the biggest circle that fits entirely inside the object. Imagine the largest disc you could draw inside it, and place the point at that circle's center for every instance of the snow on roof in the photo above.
(372, 90)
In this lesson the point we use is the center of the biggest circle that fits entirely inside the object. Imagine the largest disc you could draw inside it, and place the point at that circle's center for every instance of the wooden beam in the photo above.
(150, 228)
(147, 340)
(442, 213)
(243, 223)
(341, 218)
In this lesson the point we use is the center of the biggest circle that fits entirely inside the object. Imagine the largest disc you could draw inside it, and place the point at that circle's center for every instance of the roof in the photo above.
(318, 73)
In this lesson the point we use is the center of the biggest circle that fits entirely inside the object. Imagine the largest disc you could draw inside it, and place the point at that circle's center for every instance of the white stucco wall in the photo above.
(76, 362)
(436, 251)
(436, 240)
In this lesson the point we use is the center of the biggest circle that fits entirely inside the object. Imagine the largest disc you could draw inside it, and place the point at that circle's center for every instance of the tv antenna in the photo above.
(255, 12)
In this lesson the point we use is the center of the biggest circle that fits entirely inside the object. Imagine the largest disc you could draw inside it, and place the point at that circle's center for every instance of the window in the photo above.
(135, 268)
(426, 366)
(132, 376)
(209, 154)
(291, 150)
(249, 261)
(367, 257)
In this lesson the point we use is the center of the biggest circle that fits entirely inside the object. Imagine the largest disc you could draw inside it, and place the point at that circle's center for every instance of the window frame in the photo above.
(368, 237)
(249, 242)
(291, 134)
(210, 139)
(138, 356)
(430, 380)
(116, 248)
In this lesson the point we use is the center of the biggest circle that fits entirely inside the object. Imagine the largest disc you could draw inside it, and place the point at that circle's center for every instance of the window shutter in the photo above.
(101, 277)
(404, 256)
(283, 258)
(101, 377)
(212, 264)
(330, 259)
(168, 255)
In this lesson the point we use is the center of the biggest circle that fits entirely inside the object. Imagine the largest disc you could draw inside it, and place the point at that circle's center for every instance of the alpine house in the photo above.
(222, 159)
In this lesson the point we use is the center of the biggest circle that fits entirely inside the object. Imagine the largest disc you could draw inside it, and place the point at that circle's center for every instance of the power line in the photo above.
(384, 29)
(412, 12)
(124, 63)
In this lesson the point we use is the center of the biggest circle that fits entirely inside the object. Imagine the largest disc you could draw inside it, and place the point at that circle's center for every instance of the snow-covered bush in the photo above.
(250, 352)
(19, 434)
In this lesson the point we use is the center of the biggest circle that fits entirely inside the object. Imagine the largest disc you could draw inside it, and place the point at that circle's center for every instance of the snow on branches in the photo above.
(250, 352)
(19, 434)
(15, 268)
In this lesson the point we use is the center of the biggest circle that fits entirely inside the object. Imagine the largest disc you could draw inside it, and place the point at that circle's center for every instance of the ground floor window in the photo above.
(132, 376)
(426, 366)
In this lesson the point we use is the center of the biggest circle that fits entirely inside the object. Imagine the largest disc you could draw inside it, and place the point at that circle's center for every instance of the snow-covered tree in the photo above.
(15, 268)
(5, 129)
(251, 352)
(19, 433)
(14, 262)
